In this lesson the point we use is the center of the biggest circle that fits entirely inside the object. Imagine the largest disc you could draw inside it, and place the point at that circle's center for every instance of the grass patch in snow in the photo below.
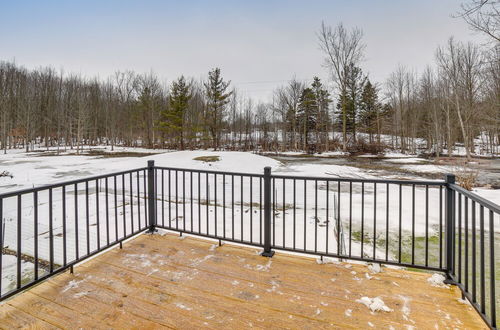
(207, 159)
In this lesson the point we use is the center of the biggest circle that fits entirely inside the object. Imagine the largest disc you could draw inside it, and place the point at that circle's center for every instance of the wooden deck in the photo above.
(165, 281)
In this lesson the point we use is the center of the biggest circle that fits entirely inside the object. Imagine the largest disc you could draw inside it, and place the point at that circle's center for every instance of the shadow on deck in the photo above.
(165, 281)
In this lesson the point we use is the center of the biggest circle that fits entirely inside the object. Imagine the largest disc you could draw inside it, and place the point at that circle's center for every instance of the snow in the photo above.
(406, 307)
(374, 268)
(406, 160)
(437, 280)
(427, 168)
(374, 304)
(182, 306)
(264, 268)
(9, 268)
(73, 284)
(394, 154)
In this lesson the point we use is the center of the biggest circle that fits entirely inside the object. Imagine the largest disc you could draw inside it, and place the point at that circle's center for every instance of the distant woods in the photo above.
(454, 101)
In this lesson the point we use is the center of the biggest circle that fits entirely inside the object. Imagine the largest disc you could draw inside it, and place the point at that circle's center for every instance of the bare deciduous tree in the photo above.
(343, 49)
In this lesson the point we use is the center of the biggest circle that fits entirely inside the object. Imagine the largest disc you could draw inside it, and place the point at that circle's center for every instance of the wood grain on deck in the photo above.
(164, 281)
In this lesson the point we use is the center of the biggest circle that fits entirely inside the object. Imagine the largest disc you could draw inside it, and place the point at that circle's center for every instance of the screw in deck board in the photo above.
(267, 213)
(450, 228)
(151, 197)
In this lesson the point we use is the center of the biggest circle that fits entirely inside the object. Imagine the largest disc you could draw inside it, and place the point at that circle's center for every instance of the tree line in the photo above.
(454, 101)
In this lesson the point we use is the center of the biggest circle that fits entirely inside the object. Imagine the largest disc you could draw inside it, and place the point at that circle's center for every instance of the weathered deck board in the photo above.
(163, 281)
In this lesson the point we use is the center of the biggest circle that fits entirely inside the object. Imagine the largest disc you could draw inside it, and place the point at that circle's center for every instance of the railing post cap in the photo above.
(151, 163)
(449, 178)
(267, 169)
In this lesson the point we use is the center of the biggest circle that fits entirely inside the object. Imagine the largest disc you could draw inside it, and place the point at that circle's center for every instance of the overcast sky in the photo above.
(257, 44)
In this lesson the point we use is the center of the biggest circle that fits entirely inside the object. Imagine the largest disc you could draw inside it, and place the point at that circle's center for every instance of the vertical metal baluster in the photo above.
(184, 200)
(77, 244)
(466, 252)
(51, 234)
(115, 187)
(459, 238)
(413, 224)
(305, 217)
(199, 202)
(35, 234)
(98, 231)
(19, 248)
(473, 236)
(207, 196)
(87, 216)
(232, 206)
(316, 216)
(350, 218)
(145, 196)
(155, 197)
(426, 225)
(374, 220)
(64, 224)
(215, 203)
(274, 202)
(251, 209)
(131, 203)
(294, 212)
(191, 199)
(139, 201)
(176, 200)
(170, 199)
(362, 217)
(224, 205)
(1, 244)
(339, 246)
(241, 207)
(387, 222)
(107, 210)
(481, 261)
(260, 210)
(284, 209)
(400, 220)
(327, 213)
(163, 198)
(124, 217)
(492, 273)
(441, 227)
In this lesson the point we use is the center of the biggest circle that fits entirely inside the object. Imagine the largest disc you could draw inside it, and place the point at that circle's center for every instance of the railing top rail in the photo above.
(66, 183)
(257, 175)
(472, 196)
(344, 179)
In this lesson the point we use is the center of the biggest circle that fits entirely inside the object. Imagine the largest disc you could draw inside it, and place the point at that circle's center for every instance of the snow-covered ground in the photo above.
(197, 202)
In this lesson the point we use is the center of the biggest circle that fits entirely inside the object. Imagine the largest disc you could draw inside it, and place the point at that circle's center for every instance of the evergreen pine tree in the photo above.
(172, 118)
(307, 118)
(217, 99)
(349, 99)
(323, 117)
(370, 110)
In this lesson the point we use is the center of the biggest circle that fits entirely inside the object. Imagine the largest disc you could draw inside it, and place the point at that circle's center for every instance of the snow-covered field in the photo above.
(204, 203)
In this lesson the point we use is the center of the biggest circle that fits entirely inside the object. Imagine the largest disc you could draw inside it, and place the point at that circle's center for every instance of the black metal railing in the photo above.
(48, 229)
(430, 225)
(473, 265)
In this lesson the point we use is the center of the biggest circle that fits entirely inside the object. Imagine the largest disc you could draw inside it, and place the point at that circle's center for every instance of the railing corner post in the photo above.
(267, 213)
(450, 227)
(151, 197)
